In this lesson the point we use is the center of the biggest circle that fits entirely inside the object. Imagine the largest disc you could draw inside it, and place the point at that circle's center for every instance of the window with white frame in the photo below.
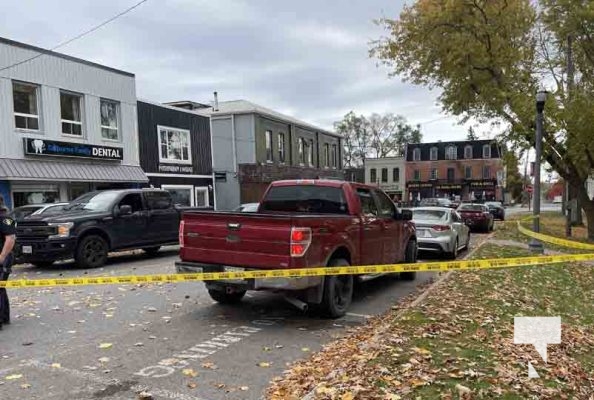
(487, 151)
(25, 98)
(334, 156)
(486, 172)
(71, 112)
(468, 151)
(310, 153)
(281, 147)
(434, 173)
(417, 175)
(268, 137)
(433, 154)
(174, 145)
(201, 198)
(417, 154)
(326, 155)
(468, 172)
(451, 153)
(301, 150)
(181, 195)
(109, 119)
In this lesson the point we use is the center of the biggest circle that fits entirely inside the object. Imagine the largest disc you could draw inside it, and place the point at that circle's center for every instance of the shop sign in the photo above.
(390, 188)
(419, 185)
(482, 184)
(449, 186)
(176, 169)
(42, 147)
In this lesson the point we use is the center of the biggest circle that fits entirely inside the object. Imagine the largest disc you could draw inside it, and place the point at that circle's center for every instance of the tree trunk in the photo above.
(588, 207)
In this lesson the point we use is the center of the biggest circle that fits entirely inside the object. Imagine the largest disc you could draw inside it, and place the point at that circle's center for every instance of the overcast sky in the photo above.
(305, 58)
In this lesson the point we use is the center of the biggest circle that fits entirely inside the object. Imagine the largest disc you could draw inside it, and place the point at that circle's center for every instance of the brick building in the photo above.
(465, 170)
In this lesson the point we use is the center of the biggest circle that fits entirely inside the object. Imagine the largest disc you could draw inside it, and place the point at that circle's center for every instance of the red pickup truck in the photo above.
(299, 224)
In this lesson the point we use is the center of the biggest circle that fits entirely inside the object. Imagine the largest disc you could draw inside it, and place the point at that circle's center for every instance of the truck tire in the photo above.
(152, 251)
(409, 258)
(91, 252)
(221, 296)
(338, 291)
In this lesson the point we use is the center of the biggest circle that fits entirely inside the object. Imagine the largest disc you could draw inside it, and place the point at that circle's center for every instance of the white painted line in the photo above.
(350, 314)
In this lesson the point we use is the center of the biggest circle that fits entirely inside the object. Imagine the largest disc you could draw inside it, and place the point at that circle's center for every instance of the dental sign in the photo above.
(42, 147)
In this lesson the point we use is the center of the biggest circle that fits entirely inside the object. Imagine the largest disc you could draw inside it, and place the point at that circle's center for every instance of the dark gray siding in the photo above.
(150, 116)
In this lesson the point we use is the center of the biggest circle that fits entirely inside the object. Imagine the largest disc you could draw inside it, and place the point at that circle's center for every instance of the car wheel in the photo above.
(152, 251)
(91, 252)
(454, 253)
(338, 292)
(221, 296)
(410, 258)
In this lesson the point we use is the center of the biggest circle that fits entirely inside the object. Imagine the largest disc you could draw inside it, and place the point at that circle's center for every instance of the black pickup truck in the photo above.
(99, 222)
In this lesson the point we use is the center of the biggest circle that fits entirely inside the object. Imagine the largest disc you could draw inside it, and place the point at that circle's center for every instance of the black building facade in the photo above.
(176, 153)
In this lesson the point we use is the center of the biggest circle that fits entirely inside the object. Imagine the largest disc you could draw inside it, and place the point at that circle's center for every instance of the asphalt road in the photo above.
(170, 340)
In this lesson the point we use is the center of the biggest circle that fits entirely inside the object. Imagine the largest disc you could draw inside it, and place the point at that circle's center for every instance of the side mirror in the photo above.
(405, 215)
(125, 210)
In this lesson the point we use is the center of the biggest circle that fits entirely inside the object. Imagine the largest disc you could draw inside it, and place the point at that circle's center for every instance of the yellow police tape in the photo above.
(302, 272)
(296, 273)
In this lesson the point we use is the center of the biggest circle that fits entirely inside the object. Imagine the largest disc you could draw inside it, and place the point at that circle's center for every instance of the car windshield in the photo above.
(95, 201)
(493, 204)
(429, 215)
(471, 207)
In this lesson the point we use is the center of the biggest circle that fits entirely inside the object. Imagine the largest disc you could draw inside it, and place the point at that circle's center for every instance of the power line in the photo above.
(435, 120)
(93, 29)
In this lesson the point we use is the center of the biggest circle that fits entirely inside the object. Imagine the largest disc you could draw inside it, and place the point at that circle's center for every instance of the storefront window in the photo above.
(35, 197)
(181, 195)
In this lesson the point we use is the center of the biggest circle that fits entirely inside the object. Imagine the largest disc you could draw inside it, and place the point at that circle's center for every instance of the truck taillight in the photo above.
(181, 233)
(300, 241)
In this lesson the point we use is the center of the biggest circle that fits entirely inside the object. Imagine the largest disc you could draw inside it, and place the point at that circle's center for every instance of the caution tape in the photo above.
(301, 272)
(552, 239)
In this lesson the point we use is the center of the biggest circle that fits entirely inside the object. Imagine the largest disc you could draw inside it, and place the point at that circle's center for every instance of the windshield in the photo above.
(493, 204)
(429, 215)
(472, 207)
(95, 201)
(306, 199)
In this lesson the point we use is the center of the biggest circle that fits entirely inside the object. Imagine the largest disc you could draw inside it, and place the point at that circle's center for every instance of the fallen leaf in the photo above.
(56, 365)
(103, 360)
(139, 344)
(463, 391)
(13, 377)
(244, 388)
(190, 372)
(209, 365)
(305, 349)
(192, 385)
(105, 345)
(25, 386)
(347, 396)
(151, 309)
(264, 365)
(145, 396)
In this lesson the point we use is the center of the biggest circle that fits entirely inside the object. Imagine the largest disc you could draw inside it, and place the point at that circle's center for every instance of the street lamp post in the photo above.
(535, 244)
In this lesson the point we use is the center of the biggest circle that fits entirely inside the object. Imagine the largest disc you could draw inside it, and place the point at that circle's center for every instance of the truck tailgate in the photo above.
(237, 239)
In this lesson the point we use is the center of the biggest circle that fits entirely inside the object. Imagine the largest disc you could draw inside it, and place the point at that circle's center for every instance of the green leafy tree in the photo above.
(489, 58)
(375, 136)
(515, 181)
(471, 135)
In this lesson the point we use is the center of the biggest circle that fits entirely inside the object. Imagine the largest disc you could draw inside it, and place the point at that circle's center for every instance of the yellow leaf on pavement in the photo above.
(190, 372)
(192, 385)
(25, 386)
(56, 365)
(13, 377)
(105, 345)
(264, 364)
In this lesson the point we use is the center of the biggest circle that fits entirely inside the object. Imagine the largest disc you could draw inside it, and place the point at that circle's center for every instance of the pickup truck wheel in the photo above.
(223, 297)
(152, 251)
(91, 252)
(410, 257)
(338, 291)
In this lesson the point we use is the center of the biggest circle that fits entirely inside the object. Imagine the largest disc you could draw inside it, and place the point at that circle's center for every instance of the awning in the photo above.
(11, 169)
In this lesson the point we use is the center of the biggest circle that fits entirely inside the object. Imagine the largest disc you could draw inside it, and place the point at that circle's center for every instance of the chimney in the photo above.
(216, 102)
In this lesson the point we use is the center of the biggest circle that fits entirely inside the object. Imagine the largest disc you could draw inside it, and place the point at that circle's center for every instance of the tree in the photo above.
(471, 134)
(495, 56)
(514, 182)
(375, 136)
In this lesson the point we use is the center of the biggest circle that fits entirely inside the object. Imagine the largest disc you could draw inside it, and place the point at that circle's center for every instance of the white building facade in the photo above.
(388, 174)
(67, 126)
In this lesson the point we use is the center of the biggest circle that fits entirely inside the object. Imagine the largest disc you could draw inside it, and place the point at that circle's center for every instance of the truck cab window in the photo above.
(368, 207)
(386, 206)
(133, 200)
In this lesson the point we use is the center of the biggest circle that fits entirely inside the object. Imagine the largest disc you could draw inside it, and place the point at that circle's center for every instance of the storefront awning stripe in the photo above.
(11, 169)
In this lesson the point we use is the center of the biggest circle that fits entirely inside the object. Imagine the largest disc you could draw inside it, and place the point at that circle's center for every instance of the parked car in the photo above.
(20, 213)
(497, 209)
(248, 207)
(300, 224)
(441, 230)
(437, 202)
(477, 216)
(96, 223)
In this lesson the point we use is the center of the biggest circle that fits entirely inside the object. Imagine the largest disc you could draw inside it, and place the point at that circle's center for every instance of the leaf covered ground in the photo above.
(458, 342)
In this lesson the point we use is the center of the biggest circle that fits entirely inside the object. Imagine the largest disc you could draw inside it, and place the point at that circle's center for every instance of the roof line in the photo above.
(64, 56)
(184, 110)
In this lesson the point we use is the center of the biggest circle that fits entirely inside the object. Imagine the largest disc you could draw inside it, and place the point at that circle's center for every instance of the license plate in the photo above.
(27, 249)
(233, 269)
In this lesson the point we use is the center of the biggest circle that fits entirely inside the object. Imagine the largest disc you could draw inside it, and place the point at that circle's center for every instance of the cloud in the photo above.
(307, 58)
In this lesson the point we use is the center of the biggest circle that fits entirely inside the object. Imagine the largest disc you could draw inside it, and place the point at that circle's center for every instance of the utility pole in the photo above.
(571, 195)
(535, 244)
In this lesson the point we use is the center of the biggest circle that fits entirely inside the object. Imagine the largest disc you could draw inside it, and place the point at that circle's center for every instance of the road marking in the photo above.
(350, 314)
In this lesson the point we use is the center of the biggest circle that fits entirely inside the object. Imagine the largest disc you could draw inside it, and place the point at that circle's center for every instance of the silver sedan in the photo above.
(441, 230)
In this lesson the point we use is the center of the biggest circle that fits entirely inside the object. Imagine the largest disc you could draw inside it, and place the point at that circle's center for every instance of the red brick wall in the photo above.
(442, 168)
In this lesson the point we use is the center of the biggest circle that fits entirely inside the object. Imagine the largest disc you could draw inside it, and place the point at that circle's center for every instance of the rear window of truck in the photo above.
(305, 199)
